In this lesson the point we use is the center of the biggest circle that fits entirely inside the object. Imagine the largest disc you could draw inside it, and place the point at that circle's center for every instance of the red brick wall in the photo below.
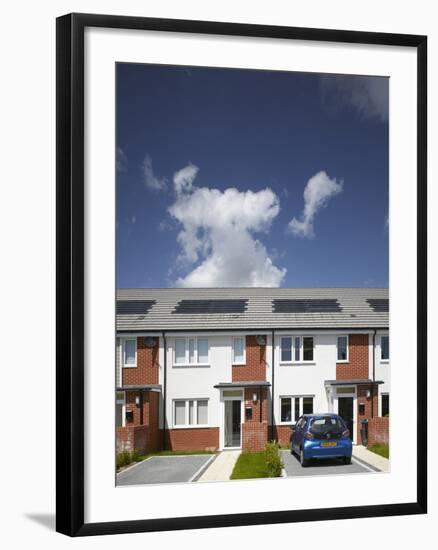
(254, 435)
(282, 434)
(255, 367)
(192, 439)
(261, 403)
(362, 398)
(378, 430)
(130, 438)
(358, 354)
(146, 371)
(255, 431)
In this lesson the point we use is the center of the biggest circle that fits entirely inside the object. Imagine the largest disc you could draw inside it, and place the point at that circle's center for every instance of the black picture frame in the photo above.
(70, 272)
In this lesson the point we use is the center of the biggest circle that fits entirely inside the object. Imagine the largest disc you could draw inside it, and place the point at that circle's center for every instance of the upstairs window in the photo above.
(296, 349)
(342, 348)
(238, 351)
(191, 351)
(384, 348)
(130, 352)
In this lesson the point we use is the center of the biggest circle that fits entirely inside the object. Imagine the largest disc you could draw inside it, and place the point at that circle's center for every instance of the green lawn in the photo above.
(380, 449)
(250, 466)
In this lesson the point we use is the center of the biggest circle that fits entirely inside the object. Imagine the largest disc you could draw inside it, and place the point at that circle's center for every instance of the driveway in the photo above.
(322, 467)
(165, 469)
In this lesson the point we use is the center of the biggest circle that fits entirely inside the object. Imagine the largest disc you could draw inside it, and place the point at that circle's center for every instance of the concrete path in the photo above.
(165, 469)
(326, 467)
(372, 459)
(221, 468)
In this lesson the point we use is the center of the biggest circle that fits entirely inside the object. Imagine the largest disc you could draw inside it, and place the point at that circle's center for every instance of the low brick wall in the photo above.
(282, 434)
(132, 437)
(378, 430)
(192, 439)
(254, 435)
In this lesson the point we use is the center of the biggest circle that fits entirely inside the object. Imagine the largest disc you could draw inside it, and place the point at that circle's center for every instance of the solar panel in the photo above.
(134, 307)
(210, 306)
(379, 304)
(306, 305)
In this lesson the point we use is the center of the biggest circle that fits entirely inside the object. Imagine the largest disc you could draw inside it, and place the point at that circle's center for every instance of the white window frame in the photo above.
(123, 362)
(348, 348)
(301, 361)
(234, 362)
(381, 349)
(300, 397)
(123, 403)
(186, 424)
(187, 362)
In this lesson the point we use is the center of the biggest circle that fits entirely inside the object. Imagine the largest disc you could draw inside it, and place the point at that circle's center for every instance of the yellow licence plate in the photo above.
(328, 444)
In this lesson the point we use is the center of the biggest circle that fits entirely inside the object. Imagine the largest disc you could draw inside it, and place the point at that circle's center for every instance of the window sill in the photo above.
(191, 427)
(298, 364)
(190, 365)
(343, 362)
(384, 361)
(129, 366)
(239, 364)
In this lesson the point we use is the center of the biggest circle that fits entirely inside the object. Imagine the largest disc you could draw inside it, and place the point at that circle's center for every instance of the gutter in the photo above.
(255, 330)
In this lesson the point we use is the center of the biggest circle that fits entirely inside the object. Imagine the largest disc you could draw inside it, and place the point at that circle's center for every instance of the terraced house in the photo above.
(234, 368)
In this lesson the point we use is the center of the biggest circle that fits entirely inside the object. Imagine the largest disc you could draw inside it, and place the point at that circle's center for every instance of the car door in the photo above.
(296, 438)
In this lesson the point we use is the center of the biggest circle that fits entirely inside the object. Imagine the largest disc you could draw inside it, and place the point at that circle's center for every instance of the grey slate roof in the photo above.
(355, 312)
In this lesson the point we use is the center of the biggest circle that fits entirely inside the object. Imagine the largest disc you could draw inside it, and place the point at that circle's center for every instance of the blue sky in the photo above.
(250, 178)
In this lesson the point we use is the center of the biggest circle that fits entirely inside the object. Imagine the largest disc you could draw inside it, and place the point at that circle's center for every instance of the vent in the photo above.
(380, 305)
(134, 307)
(210, 306)
(306, 306)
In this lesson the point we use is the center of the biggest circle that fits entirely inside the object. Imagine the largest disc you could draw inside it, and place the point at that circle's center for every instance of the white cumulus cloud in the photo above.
(217, 240)
(319, 189)
(150, 179)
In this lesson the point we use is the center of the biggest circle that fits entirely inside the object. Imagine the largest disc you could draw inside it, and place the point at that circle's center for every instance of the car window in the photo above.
(320, 425)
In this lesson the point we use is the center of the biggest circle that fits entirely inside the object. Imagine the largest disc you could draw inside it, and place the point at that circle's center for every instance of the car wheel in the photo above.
(347, 459)
(303, 461)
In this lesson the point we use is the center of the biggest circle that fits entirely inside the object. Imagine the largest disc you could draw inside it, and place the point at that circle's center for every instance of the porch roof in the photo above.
(246, 384)
(139, 387)
(351, 382)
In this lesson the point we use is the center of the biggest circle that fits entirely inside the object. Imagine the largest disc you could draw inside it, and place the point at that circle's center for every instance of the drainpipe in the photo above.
(374, 373)
(164, 389)
(272, 387)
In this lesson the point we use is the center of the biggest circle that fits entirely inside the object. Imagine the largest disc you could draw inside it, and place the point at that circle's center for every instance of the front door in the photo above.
(345, 411)
(232, 423)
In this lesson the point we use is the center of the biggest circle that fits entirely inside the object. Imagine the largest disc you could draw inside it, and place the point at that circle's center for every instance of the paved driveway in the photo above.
(321, 467)
(165, 469)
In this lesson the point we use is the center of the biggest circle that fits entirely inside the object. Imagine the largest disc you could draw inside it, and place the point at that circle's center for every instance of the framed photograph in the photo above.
(241, 274)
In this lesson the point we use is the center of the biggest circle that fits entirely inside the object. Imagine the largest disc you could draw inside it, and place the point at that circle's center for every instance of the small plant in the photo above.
(273, 460)
(123, 459)
(136, 456)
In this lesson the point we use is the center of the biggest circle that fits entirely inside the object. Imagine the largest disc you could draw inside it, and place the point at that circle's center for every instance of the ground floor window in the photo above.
(385, 404)
(292, 407)
(120, 408)
(190, 412)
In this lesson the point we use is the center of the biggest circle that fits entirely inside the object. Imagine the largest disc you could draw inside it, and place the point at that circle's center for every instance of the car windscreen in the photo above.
(324, 424)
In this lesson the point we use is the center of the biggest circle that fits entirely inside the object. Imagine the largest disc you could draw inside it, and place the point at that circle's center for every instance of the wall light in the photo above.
(254, 397)
(368, 394)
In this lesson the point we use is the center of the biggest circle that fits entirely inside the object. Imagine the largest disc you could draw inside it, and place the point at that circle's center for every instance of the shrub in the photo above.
(123, 459)
(273, 460)
(135, 456)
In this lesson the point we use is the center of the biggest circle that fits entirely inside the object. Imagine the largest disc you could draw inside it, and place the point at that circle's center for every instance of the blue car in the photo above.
(321, 436)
